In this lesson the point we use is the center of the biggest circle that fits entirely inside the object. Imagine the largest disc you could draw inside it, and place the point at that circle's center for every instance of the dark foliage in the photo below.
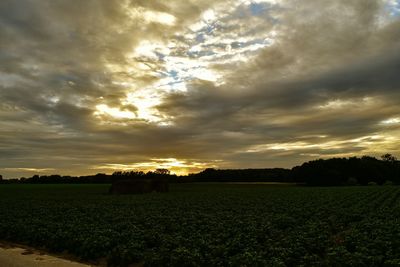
(244, 175)
(348, 171)
(208, 175)
(99, 178)
(208, 224)
(330, 172)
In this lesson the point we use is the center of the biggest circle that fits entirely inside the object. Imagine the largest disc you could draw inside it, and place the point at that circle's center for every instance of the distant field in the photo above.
(209, 224)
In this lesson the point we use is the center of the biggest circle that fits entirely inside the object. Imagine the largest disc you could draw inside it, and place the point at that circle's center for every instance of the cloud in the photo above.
(107, 84)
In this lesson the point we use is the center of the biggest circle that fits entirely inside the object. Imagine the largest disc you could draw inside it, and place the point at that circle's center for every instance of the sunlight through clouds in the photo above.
(145, 102)
(30, 169)
(391, 121)
(177, 166)
(251, 83)
(114, 112)
(151, 16)
(364, 142)
(174, 65)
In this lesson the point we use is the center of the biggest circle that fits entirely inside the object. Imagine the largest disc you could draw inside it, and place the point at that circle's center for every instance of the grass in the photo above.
(208, 224)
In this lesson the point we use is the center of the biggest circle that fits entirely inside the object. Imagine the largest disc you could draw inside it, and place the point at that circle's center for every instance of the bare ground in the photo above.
(12, 255)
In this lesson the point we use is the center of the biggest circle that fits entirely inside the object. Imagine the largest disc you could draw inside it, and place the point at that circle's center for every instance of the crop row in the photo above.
(209, 225)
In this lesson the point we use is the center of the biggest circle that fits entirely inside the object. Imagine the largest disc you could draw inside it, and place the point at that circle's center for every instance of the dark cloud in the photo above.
(323, 84)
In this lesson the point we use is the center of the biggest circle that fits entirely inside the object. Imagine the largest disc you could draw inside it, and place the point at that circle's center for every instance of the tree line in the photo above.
(100, 178)
(322, 172)
(349, 171)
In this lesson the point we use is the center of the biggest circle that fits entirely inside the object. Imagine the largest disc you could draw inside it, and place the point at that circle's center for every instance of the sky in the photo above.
(97, 86)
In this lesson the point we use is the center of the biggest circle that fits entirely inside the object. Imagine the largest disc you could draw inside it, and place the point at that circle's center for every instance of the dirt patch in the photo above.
(12, 255)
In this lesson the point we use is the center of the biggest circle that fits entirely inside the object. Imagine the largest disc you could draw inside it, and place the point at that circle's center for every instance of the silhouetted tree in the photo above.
(345, 171)
(388, 158)
(328, 172)
(242, 175)
(162, 172)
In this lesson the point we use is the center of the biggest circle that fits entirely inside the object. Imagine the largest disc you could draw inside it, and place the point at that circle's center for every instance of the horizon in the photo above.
(102, 86)
(386, 157)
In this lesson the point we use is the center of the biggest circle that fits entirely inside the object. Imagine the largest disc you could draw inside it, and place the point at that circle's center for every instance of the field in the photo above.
(208, 224)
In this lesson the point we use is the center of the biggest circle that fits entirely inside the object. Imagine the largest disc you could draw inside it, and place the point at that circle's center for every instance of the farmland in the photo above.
(208, 224)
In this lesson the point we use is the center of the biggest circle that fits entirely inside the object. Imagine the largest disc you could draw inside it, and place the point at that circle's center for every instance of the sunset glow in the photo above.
(186, 85)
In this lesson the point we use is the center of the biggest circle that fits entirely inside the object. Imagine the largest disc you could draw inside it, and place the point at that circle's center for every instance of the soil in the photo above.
(12, 255)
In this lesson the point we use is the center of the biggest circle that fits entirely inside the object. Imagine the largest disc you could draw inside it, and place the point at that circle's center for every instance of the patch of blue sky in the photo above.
(173, 74)
(262, 10)
(210, 28)
(200, 38)
(198, 54)
(159, 55)
(178, 85)
(209, 42)
(258, 9)
(396, 9)
(393, 8)
(204, 33)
